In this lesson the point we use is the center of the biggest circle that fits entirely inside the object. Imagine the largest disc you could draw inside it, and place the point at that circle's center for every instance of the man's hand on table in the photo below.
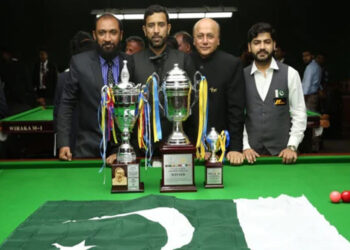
(288, 156)
(250, 155)
(111, 159)
(65, 154)
(235, 157)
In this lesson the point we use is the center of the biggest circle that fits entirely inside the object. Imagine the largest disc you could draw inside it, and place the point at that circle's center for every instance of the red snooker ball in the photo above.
(335, 196)
(345, 196)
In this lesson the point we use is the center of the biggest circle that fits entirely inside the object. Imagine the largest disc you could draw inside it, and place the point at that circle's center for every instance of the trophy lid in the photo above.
(125, 86)
(177, 77)
(125, 76)
(213, 135)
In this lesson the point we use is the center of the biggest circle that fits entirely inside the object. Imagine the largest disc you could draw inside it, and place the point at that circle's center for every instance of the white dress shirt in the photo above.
(297, 107)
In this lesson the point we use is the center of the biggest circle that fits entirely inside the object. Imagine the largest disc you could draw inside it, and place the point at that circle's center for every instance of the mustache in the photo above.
(107, 43)
(262, 51)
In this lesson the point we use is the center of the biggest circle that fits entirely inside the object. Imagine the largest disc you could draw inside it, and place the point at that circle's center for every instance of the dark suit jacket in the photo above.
(226, 94)
(83, 90)
(145, 63)
(3, 105)
(50, 84)
(62, 80)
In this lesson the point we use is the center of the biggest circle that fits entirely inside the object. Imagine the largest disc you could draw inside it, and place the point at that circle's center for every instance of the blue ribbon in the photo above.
(156, 107)
(147, 137)
(227, 138)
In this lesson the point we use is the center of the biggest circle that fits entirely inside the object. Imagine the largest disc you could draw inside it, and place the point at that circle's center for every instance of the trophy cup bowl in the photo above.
(212, 141)
(177, 96)
(125, 110)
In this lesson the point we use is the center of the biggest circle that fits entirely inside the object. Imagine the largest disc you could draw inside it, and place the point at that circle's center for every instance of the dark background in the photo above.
(26, 25)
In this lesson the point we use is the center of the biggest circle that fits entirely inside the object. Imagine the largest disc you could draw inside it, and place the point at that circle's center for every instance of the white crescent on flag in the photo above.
(179, 229)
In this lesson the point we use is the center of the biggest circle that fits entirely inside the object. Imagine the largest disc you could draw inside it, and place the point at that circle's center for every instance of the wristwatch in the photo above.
(292, 147)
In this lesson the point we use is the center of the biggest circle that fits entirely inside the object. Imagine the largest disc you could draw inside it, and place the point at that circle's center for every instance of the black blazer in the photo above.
(83, 90)
(226, 94)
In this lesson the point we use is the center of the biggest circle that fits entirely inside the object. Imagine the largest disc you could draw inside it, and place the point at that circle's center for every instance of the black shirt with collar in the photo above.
(226, 94)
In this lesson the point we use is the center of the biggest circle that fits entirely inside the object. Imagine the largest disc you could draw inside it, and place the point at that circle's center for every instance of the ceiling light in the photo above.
(174, 13)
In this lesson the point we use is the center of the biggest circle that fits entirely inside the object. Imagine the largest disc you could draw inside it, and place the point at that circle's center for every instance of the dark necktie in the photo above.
(110, 78)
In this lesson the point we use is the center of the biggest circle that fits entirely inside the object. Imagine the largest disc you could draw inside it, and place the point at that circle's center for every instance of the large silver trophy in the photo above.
(213, 167)
(177, 89)
(177, 152)
(126, 95)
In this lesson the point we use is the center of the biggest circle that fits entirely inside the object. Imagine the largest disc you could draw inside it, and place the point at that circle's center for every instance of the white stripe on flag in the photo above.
(285, 223)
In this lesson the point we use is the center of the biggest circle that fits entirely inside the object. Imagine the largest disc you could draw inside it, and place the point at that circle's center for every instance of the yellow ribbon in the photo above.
(222, 142)
(203, 98)
(141, 127)
(113, 125)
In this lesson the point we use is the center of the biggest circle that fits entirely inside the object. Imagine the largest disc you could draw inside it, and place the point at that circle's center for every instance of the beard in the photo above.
(263, 60)
(108, 54)
(157, 45)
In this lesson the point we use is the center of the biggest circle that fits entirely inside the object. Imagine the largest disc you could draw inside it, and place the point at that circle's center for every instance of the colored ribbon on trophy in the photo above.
(101, 116)
(203, 117)
(223, 141)
(106, 120)
(157, 129)
(144, 126)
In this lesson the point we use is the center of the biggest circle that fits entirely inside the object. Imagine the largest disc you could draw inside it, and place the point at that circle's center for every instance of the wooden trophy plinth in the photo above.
(213, 175)
(177, 168)
(126, 178)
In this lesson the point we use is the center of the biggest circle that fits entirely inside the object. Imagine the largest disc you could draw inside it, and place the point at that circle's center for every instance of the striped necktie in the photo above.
(110, 78)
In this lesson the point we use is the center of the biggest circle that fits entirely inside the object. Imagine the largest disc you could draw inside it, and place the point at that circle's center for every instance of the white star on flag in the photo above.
(80, 246)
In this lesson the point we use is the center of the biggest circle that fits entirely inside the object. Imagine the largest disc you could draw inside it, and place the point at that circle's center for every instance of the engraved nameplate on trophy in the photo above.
(178, 168)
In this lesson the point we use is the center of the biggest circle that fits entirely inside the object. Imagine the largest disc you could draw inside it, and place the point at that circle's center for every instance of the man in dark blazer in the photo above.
(88, 74)
(82, 41)
(159, 58)
(44, 79)
(226, 94)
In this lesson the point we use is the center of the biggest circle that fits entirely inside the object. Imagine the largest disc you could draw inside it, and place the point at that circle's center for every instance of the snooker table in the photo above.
(26, 185)
(36, 132)
(33, 131)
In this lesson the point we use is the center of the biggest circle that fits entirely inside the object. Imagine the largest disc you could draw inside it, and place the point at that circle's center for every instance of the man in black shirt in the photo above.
(159, 58)
(226, 93)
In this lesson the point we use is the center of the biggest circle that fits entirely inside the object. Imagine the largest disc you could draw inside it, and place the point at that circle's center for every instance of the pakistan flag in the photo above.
(165, 222)
(151, 222)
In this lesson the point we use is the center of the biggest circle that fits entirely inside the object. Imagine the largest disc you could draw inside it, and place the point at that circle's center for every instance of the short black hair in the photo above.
(136, 39)
(109, 15)
(156, 8)
(81, 41)
(186, 37)
(261, 27)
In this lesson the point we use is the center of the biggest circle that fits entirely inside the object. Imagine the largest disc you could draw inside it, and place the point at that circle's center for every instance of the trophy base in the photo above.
(213, 175)
(213, 186)
(126, 178)
(177, 188)
(123, 189)
(177, 168)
